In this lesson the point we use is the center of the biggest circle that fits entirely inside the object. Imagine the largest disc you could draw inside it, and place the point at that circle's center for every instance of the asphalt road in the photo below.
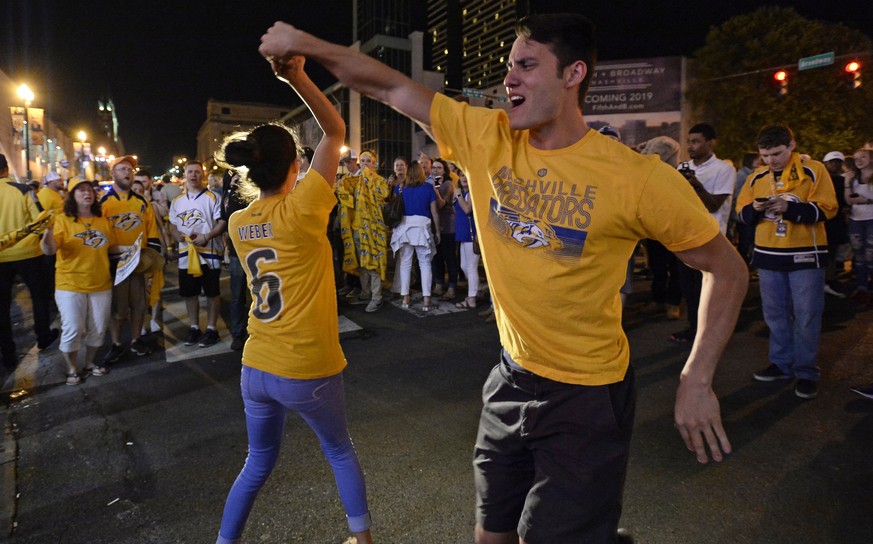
(148, 452)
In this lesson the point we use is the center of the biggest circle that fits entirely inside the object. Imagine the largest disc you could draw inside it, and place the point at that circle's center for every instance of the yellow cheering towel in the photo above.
(193, 259)
(43, 221)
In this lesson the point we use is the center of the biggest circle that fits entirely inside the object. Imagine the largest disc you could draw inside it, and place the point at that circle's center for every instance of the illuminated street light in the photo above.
(781, 78)
(27, 95)
(82, 136)
(853, 71)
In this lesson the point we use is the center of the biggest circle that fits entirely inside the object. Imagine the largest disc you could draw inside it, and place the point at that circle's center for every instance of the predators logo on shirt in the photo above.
(126, 221)
(92, 238)
(530, 232)
(191, 218)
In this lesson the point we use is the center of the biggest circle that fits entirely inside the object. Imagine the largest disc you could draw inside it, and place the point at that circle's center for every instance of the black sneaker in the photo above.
(116, 353)
(238, 343)
(193, 336)
(806, 389)
(138, 347)
(360, 300)
(771, 374)
(209, 338)
(623, 536)
(53, 335)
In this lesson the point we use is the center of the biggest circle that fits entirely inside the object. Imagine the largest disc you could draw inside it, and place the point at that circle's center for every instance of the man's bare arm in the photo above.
(725, 282)
(354, 69)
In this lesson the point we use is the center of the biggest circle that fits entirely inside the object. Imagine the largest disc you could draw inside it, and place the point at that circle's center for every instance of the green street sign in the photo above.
(825, 59)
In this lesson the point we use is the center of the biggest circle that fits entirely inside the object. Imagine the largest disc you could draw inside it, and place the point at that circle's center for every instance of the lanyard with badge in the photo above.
(775, 184)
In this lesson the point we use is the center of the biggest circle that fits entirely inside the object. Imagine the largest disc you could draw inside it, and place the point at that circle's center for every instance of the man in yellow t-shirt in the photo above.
(24, 260)
(51, 197)
(559, 209)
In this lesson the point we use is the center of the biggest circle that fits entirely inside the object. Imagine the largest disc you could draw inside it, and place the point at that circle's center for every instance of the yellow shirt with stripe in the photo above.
(282, 244)
(17, 209)
(50, 199)
(556, 229)
(801, 240)
(82, 265)
(130, 215)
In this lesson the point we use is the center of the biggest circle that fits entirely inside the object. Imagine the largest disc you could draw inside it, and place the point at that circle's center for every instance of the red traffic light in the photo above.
(781, 76)
(853, 66)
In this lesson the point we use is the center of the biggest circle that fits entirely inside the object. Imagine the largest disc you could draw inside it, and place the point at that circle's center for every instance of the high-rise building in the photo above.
(383, 27)
(470, 40)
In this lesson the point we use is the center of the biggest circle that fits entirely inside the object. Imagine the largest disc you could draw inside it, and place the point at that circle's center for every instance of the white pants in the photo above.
(424, 255)
(83, 315)
(470, 266)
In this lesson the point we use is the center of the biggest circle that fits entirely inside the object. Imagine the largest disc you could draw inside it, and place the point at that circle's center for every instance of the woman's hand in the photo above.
(288, 70)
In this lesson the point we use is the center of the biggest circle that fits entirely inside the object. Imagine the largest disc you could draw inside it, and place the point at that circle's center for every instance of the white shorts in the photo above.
(83, 315)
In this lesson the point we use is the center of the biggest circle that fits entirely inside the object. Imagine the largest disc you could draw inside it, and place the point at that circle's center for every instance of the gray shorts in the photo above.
(551, 458)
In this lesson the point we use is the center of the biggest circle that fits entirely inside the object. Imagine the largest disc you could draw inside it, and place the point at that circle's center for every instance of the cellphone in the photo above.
(437, 181)
(762, 199)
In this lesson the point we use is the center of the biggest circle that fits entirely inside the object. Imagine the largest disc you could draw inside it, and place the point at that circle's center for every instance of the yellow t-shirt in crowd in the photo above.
(50, 199)
(557, 228)
(82, 265)
(282, 245)
(17, 209)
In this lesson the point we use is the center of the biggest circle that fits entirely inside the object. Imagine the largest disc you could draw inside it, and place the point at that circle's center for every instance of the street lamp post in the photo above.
(82, 137)
(26, 94)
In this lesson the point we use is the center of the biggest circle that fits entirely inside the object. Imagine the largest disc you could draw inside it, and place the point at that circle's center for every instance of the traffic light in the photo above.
(853, 74)
(781, 80)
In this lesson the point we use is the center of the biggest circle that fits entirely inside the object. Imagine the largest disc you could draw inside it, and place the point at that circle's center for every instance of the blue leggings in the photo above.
(321, 404)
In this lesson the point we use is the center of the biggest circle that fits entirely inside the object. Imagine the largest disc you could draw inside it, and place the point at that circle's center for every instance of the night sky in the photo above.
(161, 61)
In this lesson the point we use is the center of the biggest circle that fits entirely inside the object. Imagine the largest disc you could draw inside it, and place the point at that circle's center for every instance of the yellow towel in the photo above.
(193, 259)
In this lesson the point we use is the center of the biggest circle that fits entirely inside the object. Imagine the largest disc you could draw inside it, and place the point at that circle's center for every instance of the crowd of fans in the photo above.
(436, 239)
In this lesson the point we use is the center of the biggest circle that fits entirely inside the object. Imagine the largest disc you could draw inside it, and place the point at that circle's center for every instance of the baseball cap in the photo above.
(350, 154)
(121, 159)
(52, 176)
(610, 131)
(834, 156)
(75, 181)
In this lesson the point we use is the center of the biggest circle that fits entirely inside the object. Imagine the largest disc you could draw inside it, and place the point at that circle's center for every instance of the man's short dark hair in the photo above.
(570, 37)
(771, 136)
(4, 164)
(144, 172)
(192, 161)
(703, 129)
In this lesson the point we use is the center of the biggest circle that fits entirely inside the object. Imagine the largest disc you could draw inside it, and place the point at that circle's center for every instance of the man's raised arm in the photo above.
(352, 68)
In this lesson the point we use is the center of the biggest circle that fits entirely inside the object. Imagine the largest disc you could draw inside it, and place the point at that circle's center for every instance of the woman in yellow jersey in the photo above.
(292, 359)
(82, 239)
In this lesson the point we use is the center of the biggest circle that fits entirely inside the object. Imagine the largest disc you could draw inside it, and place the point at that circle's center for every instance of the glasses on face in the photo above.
(124, 168)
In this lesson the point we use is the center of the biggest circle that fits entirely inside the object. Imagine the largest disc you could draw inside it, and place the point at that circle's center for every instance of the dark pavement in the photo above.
(148, 452)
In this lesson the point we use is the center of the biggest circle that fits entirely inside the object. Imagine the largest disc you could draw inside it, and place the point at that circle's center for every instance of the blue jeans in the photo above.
(239, 303)
(321, 404)
(793, 303)
(861, 238)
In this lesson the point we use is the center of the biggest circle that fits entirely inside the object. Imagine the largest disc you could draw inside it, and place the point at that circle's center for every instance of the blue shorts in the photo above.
(551, 458)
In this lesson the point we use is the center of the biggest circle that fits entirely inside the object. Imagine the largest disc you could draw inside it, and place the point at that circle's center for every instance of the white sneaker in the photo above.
(373, 305)
(830, 291)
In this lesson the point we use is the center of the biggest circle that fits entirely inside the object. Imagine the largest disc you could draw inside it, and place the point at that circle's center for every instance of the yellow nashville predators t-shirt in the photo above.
(82, 264)
(557, 228)
(282, 245)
